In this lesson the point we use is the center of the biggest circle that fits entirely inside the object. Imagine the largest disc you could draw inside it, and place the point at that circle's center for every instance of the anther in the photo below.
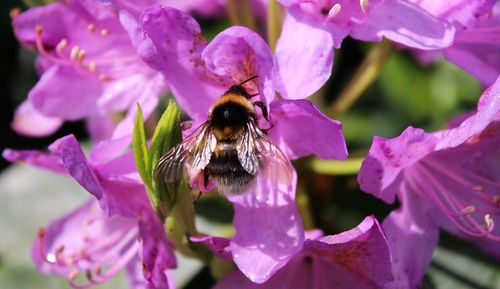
(74, 52)
(364, 5)
(14, 12)
(92, 67)
(91, 27)
(41, 232)
(73, 275)
(81, 56)
(104, 32)
(479, 189)
(488, 223)
(334, 11)
(38, 29)
(104, 77)
(468, 210)
(61, 45)
(496, 200)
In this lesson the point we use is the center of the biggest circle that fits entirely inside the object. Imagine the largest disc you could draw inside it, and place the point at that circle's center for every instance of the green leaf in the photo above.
(166, 135)
(140, 148)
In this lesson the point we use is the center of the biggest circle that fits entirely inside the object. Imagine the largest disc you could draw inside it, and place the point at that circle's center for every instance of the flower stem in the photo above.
(366, 73)
(273, 23)
(347, 167)
(232, 12)
(240, 13)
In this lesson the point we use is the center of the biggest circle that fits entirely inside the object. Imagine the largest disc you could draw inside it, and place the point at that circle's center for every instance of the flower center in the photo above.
(116, 249)
(77, 57)
(466, 199)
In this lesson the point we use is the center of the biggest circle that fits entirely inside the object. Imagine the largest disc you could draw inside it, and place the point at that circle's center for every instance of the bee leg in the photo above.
(265, 114)
(197, 198)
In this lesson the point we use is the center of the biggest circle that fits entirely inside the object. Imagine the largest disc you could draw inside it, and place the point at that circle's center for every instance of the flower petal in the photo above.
(405, 23)
(217, 245)
(406, 229)
(35, 158)
(388, 157)
(358, 258)
(464, 12)
(304, 56)
(83, 238)
(157, 254)
(63, 85)
(236, 54)
(28, 121)
(171, 42)
(269, 230)
(300, 129)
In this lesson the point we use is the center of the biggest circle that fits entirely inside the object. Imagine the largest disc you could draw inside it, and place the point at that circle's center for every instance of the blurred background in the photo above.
(405, 93)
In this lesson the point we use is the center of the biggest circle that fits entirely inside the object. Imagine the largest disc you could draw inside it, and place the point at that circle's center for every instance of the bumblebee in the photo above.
(228, 148)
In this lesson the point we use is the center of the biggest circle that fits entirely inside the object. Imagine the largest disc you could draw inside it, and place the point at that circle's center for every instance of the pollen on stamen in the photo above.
(14, 12)
(364, 5)
(335, 10)
(62, 44)
(51, 258)
(81, 56)
(74, 52)
(92, 67)
(38, 29)
(73, 275)
(478, 189)
(91, 27)
(468, 210)
(496, 200)
(488, 223)
(104, 32)
(104, 77)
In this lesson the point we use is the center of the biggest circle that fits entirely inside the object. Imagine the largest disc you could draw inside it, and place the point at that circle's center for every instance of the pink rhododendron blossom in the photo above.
(358, 258)
(312, 29)
(106, 234)
(89, 68)
(477, 40)
(448, 179)
(198, 74)
(204, 8)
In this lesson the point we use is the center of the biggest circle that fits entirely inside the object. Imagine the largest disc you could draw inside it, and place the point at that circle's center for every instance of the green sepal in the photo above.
(140, 149)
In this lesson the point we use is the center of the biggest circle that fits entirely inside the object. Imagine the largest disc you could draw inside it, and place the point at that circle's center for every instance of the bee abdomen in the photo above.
(229, 175)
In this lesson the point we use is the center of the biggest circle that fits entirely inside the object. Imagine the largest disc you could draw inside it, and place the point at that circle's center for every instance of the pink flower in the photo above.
(89, 68)
(312, 29)
(204, 8)
(448, 179)
(358, 258)
(101, 237)
(198, 74)
(477, 40)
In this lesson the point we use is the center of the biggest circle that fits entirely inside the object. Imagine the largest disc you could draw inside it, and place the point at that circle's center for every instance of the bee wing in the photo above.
(256, 150)
(197, 149)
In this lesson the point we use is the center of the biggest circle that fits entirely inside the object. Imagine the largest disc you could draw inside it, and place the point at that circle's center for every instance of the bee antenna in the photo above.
(253, 77)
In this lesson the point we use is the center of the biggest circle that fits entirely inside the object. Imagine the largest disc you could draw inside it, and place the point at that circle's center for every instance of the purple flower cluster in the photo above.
(100, 58)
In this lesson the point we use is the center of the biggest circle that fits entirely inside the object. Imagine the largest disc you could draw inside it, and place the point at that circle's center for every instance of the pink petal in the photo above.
(358, 258)
(304, 55)
(63, 85)
(28, 121)
(406, 229)
(171, 42)
(269, 230)
(387, 158)
(405, 23)
(49, 17)
(84, 238)
(300, 129)
(219, 246)
(157, 254)
(35, 158)
(463, 12)
(235, 55)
